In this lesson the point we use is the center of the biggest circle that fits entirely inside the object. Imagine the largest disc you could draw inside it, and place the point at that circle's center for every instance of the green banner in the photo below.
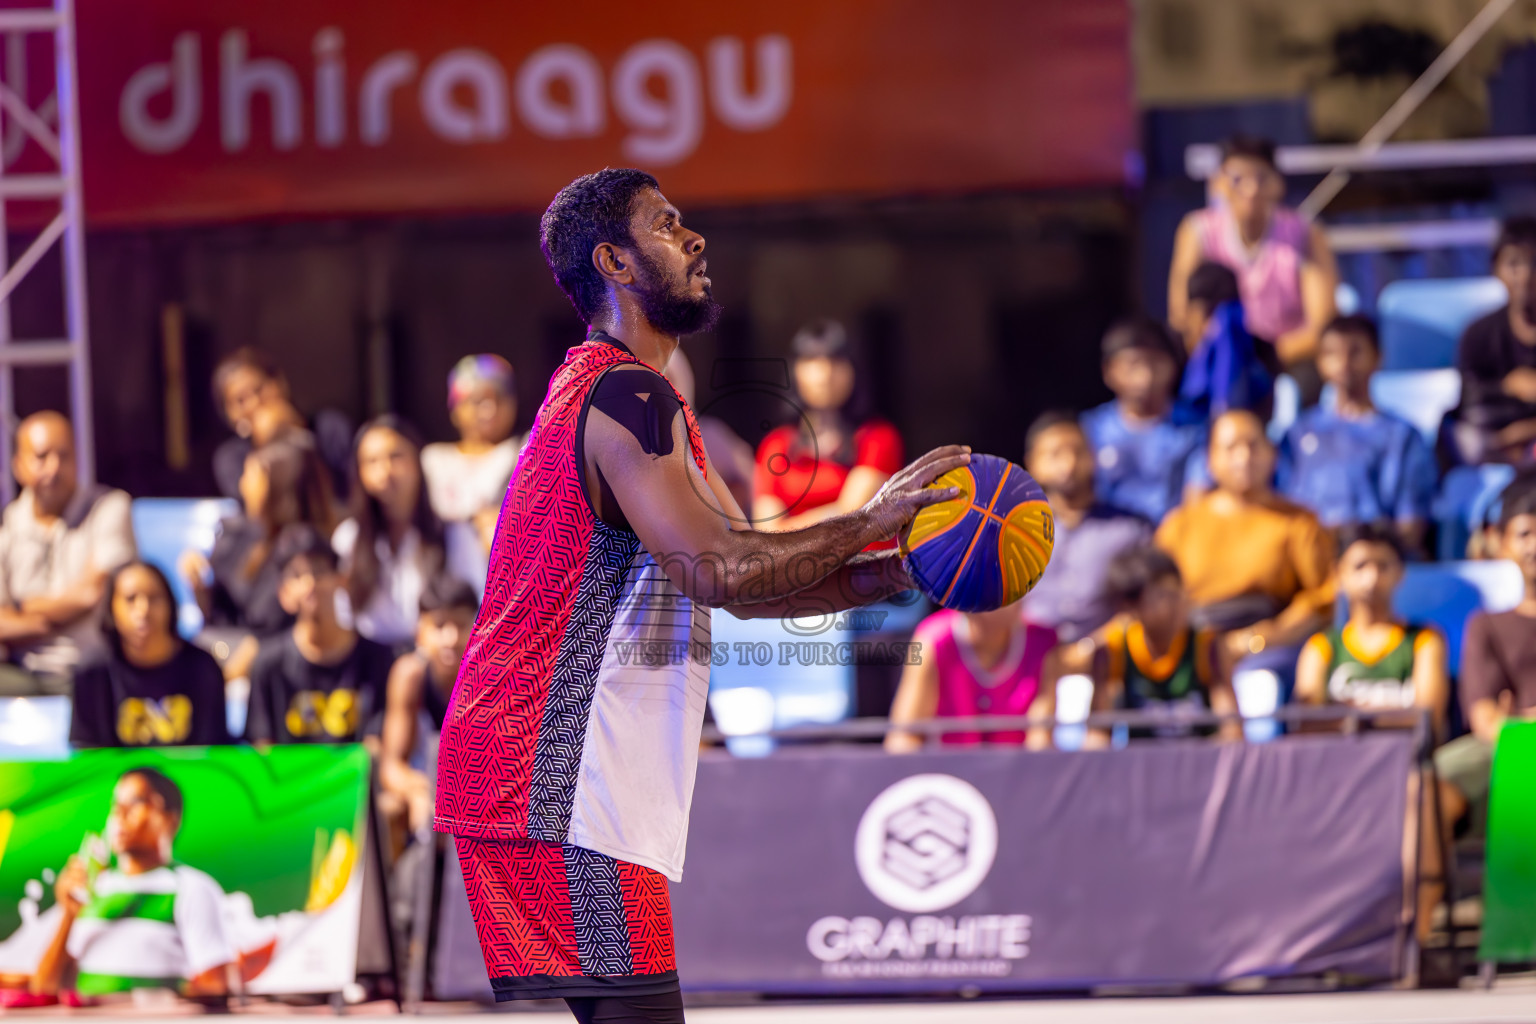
(1509, 886)
(183, 867)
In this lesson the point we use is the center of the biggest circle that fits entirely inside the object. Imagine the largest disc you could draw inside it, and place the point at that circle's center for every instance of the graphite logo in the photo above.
(926, 843)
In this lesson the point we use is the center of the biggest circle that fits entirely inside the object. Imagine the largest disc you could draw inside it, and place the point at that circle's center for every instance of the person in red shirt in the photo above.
(823, 465)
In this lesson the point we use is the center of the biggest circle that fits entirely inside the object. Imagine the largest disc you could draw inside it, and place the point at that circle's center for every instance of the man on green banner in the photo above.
(145, 921)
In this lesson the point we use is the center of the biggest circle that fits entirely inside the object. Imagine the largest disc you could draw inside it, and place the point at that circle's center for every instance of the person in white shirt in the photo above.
(171, 935)
(467, 479)
(59, 542)
(393, 542)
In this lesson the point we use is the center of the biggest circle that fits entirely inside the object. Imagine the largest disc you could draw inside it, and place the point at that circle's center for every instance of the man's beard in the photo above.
(672, 310)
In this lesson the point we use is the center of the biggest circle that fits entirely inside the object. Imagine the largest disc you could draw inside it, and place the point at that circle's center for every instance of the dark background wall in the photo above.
(972, 315)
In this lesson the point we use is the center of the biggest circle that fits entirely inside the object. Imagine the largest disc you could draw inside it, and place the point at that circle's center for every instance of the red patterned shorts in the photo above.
(559, 921)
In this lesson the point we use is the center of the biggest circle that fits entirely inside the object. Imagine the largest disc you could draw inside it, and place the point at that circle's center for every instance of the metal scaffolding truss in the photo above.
(60, 141)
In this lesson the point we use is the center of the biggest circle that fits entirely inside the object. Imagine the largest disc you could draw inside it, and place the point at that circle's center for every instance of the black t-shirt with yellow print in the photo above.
(179, 703)
(294, 700)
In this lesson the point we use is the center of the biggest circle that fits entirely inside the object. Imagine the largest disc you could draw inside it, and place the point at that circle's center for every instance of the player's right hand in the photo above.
(906, 492)
(71, 888)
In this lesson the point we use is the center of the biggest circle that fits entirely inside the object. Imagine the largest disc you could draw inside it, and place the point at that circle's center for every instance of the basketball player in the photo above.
(567, 761)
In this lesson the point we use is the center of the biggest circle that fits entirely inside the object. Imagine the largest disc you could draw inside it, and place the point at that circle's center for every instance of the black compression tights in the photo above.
(666, 1008)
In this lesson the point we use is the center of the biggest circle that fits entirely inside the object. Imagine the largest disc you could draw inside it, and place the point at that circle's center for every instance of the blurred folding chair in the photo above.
(1422, 397)
(34, 728)
(1445, 594)
(1421, 320)
(1258, 696)
(1074, 701)
(165, 527)
(1466, 495)
(797, 677)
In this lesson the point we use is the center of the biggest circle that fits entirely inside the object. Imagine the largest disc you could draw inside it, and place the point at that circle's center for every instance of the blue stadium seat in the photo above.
(1422, 397)
(792, 689)
(1466, 493)
(1446, 594)
(165, 527)
(1421, 320)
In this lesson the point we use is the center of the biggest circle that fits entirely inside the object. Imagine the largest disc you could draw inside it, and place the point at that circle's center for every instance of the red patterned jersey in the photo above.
(578, 707)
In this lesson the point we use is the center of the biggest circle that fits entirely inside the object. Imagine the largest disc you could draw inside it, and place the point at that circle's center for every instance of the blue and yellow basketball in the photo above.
(986, 548)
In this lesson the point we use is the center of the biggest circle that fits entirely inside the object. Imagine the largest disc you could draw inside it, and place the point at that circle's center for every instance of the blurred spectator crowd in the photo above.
(1206, 534)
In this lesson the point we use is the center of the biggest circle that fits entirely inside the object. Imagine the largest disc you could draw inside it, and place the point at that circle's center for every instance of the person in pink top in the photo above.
(973, 665)
(1285, 270)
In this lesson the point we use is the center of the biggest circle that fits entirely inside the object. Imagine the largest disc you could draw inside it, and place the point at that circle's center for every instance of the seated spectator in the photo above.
(1284, 265)
(420, 686)
(392, 543)
(826, 464)
(320, 682)
(729, 456)
(1150, 659)
(1353, 463)
(1070, 597)
(976, 665)
(1226, 368)
(1374, 662)
(59, 542)
(244, 382)
(1140, 450)
(1498, 670)
(1254, 563)
(147, 687)
(1496, 421)
(467, 479)
(237, 585)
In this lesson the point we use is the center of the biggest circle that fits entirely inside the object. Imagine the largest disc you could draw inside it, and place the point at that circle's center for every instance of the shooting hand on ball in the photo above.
(907, 492)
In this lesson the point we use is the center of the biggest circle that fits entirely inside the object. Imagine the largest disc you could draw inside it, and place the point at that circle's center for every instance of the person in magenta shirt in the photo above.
(1285, 269)
(975, 665)
(823, 465)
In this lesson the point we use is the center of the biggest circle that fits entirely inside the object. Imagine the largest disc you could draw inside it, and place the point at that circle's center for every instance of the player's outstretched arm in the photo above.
(645, 468)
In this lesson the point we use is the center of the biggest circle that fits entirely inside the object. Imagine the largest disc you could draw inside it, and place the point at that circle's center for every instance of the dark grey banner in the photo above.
(852, 871)
(1177, 862)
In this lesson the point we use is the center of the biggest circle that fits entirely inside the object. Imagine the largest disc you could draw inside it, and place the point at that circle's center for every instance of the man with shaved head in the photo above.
(1256, 565)
(58, 543)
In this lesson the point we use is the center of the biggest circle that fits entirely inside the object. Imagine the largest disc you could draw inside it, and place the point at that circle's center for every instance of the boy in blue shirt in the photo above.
(1349, 462)
(1140, 449)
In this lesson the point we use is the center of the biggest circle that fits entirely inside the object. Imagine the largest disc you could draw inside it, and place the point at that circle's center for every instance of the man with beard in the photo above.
(567, 760)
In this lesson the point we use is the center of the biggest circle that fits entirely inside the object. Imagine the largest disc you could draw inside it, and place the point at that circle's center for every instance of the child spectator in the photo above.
(1226, 368)
(392, 543)
(59, 542)
(1498, 671)
(1140, 451)
(1284, 266)
(282, 484)
(1070, 597)
(1150, 659)
(1374, 662)
(1351, 463)
(827, 463)
(420, 685)
(148, 687)
(1496, 421)
(244, 382)
(319, 682)
(977, 665)
(1254, 563)
(466, 480)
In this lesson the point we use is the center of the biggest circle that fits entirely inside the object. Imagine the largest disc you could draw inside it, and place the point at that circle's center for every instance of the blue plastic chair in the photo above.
(1422, 397)
(1465, 495)
(1446, 594)
(1421, 320)
(794, 687)
(165, 527)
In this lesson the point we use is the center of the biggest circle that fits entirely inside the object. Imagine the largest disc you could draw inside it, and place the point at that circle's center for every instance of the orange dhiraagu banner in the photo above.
(199, 110)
